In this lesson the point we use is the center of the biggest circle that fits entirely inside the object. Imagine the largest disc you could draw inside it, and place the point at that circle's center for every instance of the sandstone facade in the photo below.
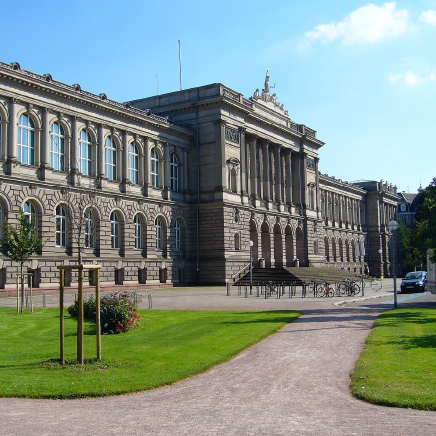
(182, 183)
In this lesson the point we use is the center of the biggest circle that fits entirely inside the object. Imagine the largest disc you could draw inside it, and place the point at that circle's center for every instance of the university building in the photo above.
(182, 183)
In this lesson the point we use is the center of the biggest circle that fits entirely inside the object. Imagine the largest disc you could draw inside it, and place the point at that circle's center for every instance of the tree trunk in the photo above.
(22, 289)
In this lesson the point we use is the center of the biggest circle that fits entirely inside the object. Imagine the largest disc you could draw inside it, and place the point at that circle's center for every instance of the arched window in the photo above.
(159, 234)
(138, 231)
(133, 164)
(57, 147)
(26, 140)
(89, 229)
(30, 211)
(154, 170)
(174, 172)
(115, 230)
(233, 180)
(178, 235)
(111, 158)
(85, 153)
(61, 227)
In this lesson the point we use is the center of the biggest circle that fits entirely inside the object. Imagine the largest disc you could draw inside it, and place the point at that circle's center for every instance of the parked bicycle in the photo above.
(375, 283)
(325, 290)
(349, 288)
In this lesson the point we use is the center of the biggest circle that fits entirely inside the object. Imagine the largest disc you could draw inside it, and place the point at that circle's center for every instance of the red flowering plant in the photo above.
(118, 311)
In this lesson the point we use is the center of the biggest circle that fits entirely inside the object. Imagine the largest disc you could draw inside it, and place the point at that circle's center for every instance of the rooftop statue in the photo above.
(266, 96)
(268, 87)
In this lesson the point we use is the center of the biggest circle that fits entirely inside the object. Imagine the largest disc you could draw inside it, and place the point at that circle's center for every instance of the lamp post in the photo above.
(393, 226)
(251, 243)
(380, 252)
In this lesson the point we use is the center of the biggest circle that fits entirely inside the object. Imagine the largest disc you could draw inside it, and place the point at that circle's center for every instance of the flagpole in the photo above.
(180, 66)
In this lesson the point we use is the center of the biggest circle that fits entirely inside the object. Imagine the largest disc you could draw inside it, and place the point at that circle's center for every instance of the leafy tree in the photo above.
(407, 256)
(21, 243)
(426, 222)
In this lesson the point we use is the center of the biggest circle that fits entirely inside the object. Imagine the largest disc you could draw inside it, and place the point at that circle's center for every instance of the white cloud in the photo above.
(428, 17)
(367, 24)
(410, 78)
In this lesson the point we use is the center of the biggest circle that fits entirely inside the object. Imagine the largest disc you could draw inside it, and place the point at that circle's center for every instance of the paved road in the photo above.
(294, 382)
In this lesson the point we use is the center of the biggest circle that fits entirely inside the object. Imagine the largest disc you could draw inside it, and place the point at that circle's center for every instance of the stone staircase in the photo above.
(295, 275)
(265, 275)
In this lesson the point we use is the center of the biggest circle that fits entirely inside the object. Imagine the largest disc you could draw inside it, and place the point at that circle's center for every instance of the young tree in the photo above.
(426, 222)
(21, 243)
(80, 200)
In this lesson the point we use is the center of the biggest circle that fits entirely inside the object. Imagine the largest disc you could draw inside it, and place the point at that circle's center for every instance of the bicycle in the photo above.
(375, 283)
(273, 288)
(325, 290)
(349, 288)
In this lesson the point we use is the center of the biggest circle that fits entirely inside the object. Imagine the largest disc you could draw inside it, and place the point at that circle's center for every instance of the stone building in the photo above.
(182, 183)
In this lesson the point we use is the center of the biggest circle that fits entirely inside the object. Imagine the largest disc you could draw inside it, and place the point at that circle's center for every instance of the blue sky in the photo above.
(362, 74)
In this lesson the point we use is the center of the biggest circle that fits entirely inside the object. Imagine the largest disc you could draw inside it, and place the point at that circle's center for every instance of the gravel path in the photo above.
(294, 382)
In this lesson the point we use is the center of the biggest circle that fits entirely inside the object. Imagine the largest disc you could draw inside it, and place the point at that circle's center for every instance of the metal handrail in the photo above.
(239, 272)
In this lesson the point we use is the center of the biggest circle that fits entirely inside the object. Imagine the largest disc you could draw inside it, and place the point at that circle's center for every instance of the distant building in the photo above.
(407, 208)
(184, 181)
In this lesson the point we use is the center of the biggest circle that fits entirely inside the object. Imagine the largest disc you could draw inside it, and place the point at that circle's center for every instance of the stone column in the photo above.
(12, 149)
(288, 176)
(101, 158)
(147, 147)
(243, 160)
(125, 162)
(166, 166)
(266, 171)
(185, 170)
(220, 162)
(317, 193)
(303, 178)
(253, 167)
(45, 146)
(278, 174)
(74, 152)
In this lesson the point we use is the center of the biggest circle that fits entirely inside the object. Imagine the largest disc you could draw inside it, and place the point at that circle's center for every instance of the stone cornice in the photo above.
(216, 95)
(47, 85)
(326, 182)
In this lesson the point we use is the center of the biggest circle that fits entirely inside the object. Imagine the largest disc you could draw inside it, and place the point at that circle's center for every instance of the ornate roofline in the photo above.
(46, 83)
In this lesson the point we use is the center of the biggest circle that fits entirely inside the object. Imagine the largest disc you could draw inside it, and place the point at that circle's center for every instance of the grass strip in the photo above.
(398, 365)
(168, 346)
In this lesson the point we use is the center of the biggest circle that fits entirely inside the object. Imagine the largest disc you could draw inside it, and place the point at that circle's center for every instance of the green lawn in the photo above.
(398, 365)
(168, 346)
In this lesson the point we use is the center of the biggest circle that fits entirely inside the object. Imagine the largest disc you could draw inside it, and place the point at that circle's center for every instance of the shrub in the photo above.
(118, 311)
(88, 308)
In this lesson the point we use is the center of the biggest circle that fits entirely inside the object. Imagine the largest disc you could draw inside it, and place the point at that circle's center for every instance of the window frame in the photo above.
(237, 241)
(85, 147)
(178, 235)
(133, 159)
(27, 132)
(174, 172)
(111, 158)
(90, 229)
(159, 233)
(31, 213)
(154, 167)
(115, 230)
(61, 226)
(138, 225)
(57, 158)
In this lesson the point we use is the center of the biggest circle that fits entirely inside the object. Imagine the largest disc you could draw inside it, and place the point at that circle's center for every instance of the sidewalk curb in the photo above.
(354, 300)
